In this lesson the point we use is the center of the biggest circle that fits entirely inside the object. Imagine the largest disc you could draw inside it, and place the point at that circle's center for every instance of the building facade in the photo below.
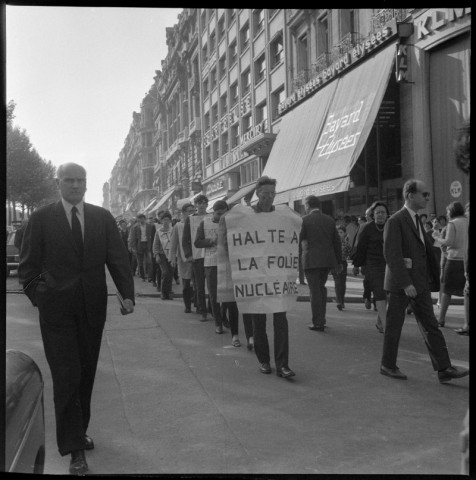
(343, 103)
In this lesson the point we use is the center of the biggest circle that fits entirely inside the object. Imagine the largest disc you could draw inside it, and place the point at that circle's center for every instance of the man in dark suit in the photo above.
(65, 248)
(319, 250)
(411, 275)
(141, 242)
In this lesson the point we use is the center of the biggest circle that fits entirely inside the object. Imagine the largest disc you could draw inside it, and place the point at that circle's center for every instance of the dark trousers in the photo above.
(134, 263)
(199, 285)
(187, 292)
(232, 309)
(340, 283)
(144, 260)
(422, 307)
(72, 350)
(153, 269)
(166, 274)
(316, 279)
(211, 276)
(281, 339)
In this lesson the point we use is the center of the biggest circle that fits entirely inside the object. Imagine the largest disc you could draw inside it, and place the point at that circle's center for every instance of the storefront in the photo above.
(339, 137)
(442, 53)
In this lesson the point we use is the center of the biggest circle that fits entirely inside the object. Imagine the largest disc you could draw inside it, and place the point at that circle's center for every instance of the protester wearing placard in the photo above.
(263, 249)
(177, 257)
(196, 254)
(206, 238)
(320, 250)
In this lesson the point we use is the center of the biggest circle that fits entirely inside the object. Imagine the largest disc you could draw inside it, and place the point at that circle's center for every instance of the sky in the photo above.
(77, 74)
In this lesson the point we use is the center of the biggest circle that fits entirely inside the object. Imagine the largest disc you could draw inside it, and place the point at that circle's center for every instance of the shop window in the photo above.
(260, 68)
(277, 50)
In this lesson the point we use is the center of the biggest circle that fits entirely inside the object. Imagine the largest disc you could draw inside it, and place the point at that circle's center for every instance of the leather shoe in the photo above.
(285, 372)
(316, 328)
(78, 465)
(392, 372)
(265, 367)
(88, 443)
(452, 372)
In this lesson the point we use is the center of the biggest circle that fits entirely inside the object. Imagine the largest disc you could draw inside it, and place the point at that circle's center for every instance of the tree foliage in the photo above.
(30, 179)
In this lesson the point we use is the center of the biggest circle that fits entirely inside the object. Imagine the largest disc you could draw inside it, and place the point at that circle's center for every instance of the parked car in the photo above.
(24, 415)
(13, 255)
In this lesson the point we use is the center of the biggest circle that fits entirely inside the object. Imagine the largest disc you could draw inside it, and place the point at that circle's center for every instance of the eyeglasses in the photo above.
(426, 194)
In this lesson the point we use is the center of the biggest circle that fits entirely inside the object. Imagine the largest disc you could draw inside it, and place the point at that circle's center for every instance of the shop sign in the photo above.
(438, 18)
(456, 189)
(254, 132)
(401, 64)
(215, 186)
(359, 52)
(232, 157)
(226, 121)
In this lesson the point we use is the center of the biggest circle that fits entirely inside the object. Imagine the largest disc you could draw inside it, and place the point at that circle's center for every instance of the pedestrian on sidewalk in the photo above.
(142, 238)
(369, 252)
(206, 238)
(65, 250)
(320, 251)
(411, 275)
(177, 257)
(161, 249)
(196, 254)
(340, 279)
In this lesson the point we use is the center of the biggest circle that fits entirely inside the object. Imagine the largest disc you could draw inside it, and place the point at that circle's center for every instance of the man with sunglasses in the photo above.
(411, 275)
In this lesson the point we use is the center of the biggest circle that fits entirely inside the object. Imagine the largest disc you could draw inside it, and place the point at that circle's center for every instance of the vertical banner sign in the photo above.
(263, 250)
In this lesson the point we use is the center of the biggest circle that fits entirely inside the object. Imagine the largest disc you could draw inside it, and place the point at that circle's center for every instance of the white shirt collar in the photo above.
(68, 206)
(412, 212)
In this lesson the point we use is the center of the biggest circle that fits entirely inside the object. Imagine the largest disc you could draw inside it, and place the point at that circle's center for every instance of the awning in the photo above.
(162, 200)
(242, 192)
(320, 140)
(211, 202)
(151, 204)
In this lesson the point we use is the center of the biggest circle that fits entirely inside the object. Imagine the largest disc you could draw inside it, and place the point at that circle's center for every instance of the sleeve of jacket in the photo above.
(174, 250)
(31, 255)
(393, 253)
(133, 238)
(187, 239)
(200, 240)
(117, 259)
(359, 250)
(157, 248)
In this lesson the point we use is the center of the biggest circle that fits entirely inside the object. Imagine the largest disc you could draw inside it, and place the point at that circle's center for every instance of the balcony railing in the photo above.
(386, 14)
(347, 43)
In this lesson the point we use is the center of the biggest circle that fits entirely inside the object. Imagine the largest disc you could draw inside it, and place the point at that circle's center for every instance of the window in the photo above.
(277, 50)
(234, 94)
(222, 67)
(249, 172)
(235, 137)
(231, 15)
(246, 123)
(322, 35)
(221, 28)
(206, 121)
(276, 98)
(223, 104)
(204, 53)
(213, 78)
(245, 82)
(216, 150)
(258, 19)
(212, 44)
(347, 21)
(260, 68)
(215, 114)
(206, 88)
(261, 112)
(232, 53)
(224, 143)
(203, 19)
(272, 11)
(302, 63)
(208, 158)
(244, 37)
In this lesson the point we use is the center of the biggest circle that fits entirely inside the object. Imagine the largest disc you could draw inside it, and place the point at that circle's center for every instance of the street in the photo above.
(171, 396)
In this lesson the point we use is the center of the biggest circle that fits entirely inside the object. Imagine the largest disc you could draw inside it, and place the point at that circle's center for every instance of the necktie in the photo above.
(76, 228)
(419, 227)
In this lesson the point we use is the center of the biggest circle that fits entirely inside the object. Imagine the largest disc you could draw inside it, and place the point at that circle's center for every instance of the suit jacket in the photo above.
(51, 269)
(319, 242)
(136, 236)
(402, 241)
